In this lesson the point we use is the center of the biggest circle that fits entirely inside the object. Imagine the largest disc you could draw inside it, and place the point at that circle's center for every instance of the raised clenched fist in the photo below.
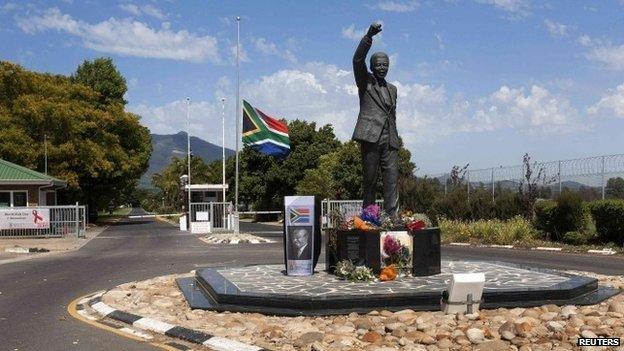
(373, 29)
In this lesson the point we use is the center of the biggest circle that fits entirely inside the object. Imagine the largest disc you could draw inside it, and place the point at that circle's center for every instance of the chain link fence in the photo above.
(588, 175)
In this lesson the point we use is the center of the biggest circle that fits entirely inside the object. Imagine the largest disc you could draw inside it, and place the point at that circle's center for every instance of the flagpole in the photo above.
(188, 155)
(238, 133)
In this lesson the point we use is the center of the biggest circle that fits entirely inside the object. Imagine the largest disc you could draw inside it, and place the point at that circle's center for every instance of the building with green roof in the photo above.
(21, 186)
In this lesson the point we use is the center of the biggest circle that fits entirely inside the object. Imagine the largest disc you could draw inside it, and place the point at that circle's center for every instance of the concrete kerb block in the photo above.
(160, 327)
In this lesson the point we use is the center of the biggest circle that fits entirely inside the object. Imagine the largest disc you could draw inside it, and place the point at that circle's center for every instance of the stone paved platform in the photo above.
(266, 289)
(270, 279)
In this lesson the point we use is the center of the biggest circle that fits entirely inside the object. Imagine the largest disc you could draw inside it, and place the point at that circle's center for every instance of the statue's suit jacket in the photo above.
(373, 112)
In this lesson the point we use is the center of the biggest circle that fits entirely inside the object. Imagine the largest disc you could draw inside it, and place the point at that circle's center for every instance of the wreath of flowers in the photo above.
(396, 256)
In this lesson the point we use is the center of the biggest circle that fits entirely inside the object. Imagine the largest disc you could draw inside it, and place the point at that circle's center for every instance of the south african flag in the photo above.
(265, 134)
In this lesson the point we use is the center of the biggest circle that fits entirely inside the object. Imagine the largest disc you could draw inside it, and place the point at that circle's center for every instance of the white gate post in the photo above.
(77, 209)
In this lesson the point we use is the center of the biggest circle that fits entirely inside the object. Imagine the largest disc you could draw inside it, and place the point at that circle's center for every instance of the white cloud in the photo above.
(354, 34)
(397, 6)
(612, 104)
(326, 94)
(131, 9)
(603, 51)
(243, 53)
(557, 30)
(204, 117)
(516, 7)
(267, 47)
(148, 10)
(611, 56)
(127, 37)
(8, 7)
(514, 108)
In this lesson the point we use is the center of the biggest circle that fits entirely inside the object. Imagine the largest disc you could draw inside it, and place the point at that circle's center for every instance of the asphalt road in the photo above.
(34, 294)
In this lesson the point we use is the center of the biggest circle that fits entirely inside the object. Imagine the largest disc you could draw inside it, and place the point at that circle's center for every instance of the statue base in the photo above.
(365, 248)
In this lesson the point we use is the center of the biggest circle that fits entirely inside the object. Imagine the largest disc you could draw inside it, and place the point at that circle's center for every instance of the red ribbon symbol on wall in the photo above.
(38, 217)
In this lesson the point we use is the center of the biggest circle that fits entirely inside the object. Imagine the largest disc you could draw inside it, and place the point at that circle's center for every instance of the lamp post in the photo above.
(225, 217)
(238, 133)
(188, 153)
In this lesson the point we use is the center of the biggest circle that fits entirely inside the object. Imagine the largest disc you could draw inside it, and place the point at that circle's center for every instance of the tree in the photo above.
(320, 181)
(100, 150)
(339, 175)
(615, 188)
(530, 184)
(420, 194)
(102, 76)
(168, 180)
(265, 180)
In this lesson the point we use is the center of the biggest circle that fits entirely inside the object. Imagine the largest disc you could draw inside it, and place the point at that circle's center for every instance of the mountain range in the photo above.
(167, 146)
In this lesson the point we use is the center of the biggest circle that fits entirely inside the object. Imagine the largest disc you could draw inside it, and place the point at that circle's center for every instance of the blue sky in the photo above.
(480, 81)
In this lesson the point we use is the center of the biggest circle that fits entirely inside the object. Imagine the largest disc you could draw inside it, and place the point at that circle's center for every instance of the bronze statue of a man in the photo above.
(375, 129)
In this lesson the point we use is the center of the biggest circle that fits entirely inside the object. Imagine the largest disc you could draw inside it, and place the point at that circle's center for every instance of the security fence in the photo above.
(347, 208)
(215, 213)
(589, 175)
(64, 221)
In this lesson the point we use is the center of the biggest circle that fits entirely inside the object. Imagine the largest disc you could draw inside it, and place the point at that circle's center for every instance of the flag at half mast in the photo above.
(265, 134)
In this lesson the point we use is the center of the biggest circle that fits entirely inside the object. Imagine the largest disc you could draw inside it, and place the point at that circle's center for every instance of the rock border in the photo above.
(171, 330)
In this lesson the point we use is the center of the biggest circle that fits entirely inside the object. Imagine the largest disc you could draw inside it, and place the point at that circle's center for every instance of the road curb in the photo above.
(606, 251)
(145, 323)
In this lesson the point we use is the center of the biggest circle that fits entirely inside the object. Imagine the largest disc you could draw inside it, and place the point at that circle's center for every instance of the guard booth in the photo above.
(208, 210)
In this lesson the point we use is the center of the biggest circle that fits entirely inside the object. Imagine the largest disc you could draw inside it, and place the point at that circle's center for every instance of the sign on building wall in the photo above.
(25, 218)
(299, 235)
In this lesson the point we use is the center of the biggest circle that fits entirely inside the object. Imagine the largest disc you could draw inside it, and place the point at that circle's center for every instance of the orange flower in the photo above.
(388, 273)
(358, 223)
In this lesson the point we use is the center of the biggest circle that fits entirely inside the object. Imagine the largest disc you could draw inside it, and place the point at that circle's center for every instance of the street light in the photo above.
(188, 152)
(223, 157)
(183, 181)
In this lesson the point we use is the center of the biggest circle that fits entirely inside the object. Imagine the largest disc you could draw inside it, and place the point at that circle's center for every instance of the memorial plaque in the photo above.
(299, 235)
(353, 248)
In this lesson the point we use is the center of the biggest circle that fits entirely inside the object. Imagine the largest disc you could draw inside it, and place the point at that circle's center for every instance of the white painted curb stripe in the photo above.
(153, 325)
(502, 246)
(541, 248)
(136, 333)
(223, 344)
(16, 249)
(102, 308)
(460, 244)
(602, 252)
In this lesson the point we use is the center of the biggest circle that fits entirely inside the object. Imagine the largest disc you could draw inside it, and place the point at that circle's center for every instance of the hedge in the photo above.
(493, 231)
(609, 218)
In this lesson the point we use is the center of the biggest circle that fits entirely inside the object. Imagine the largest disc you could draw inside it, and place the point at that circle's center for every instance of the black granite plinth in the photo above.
(363, 248)
(426, 258)
(360, 247)
(265, 289)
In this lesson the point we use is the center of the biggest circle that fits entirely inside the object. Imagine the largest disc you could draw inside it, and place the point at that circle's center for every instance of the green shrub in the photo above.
(609, 218)
(567, 214)
(481, 204)
(545, 215)
(492, 231)
(570, 214)
(578, 237)
(454, 205)
(506, 205)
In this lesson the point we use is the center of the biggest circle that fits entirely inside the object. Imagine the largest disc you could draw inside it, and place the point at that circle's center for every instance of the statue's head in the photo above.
(379, 64)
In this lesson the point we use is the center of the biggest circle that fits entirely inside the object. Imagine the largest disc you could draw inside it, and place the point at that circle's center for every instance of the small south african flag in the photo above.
(299, 215)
